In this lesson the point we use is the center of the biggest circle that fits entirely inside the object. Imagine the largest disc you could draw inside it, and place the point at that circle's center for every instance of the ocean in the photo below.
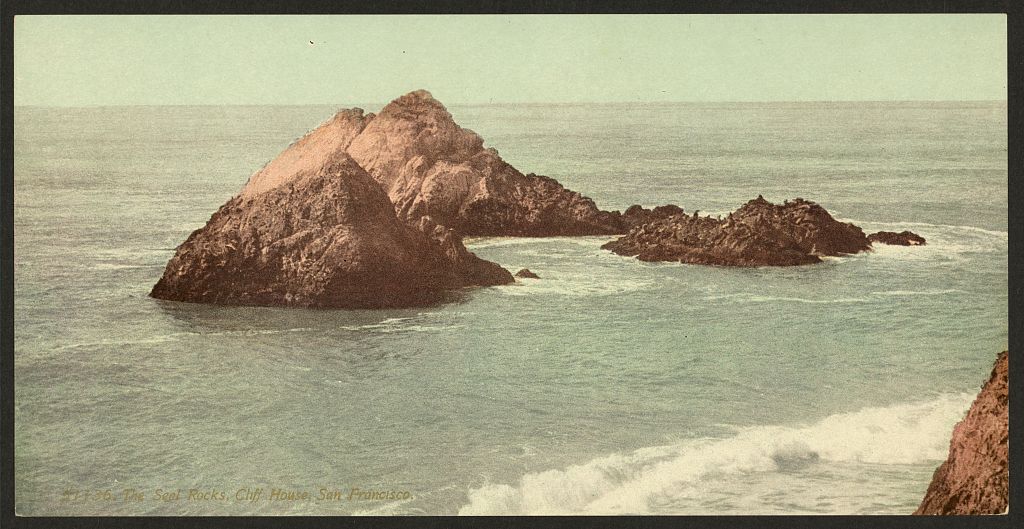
(607, 386)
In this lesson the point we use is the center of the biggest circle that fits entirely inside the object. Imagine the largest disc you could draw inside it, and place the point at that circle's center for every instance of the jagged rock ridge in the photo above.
(326, 236)
(757, 234)
(430, 166)
(975, 477)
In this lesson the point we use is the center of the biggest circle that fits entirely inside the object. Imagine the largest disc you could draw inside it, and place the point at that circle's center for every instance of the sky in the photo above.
(470, 59)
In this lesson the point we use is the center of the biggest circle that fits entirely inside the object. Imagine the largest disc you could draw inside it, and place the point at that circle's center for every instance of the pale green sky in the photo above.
(114, 60)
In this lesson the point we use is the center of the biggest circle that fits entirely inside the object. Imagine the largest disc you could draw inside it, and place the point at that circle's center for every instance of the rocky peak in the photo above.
(431, 166)
(410, 135)
(420, 108)
(418, 102)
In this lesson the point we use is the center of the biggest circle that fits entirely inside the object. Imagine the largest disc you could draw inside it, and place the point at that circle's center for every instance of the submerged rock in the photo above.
(757, 234)
(903, 238)
(526, 273)
(315, 230)
(794, 456)
(974, 479)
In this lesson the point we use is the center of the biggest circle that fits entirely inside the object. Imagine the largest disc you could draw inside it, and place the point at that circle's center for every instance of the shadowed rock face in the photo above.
(974, 479)
(757, 234)
(321, 237)
(903, 238)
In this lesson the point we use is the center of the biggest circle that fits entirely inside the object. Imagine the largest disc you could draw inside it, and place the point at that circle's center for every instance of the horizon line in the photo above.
(506, 103)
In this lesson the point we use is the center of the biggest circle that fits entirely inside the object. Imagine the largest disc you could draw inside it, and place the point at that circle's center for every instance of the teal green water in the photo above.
(607, 386)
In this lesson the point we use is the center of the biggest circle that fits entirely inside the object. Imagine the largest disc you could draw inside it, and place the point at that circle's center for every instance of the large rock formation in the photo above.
(974, 479)
(313, 229)
(368, 210)
(757, 234)
(431, 167)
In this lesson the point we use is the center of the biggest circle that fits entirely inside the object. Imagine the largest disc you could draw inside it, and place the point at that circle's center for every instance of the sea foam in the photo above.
(904, 434)
(947, 241)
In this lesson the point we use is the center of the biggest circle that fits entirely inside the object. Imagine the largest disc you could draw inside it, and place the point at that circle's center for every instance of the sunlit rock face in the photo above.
(430, 166)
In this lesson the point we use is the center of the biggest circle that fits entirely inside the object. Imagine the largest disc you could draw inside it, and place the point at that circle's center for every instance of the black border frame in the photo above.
(10, 8)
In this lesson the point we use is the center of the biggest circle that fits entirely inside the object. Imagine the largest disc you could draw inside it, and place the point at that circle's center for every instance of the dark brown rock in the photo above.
(320, 236)
(757, 234)
(974, 479)
(903, 238)
(636, 214)
(527, 274)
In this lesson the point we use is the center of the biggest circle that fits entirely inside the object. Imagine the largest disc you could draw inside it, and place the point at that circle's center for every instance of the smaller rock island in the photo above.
(903, 238)
(526, 273)
(759, 233)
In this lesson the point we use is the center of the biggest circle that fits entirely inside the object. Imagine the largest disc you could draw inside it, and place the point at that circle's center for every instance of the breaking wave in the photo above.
(904, 434)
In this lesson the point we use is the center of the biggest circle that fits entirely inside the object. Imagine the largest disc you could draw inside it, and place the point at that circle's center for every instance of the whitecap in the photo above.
(943, 240)
(176, 336)
(119, 266)
(142, 341)
(917, 292)
(890, 226)
(771, 299)
(754, 298)
(575, 285)
(745, 297)
(409, 324)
